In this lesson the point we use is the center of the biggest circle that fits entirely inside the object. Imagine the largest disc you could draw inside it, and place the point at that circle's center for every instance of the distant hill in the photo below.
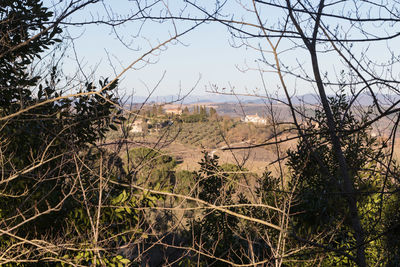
(312, 99)
(364, 99)
(191, 99)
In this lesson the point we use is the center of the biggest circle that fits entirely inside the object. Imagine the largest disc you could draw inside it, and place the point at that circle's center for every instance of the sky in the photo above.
(202, 58)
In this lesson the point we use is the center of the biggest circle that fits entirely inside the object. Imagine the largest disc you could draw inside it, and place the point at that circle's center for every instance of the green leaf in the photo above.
(112, 126)
(125, 261)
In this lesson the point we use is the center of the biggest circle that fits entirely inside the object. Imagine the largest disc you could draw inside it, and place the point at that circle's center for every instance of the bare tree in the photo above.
(70, 196)
(331, 47)
(61, 193)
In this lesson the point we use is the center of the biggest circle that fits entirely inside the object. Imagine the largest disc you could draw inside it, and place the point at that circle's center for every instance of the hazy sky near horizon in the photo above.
(205, 54)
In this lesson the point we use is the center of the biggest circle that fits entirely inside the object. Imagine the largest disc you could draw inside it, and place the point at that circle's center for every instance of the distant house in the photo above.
(255, 119)
(176, 111)
(136, 126)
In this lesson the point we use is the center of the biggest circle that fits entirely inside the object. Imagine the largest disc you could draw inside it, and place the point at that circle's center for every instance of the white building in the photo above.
(136, 126)
(255, 119)
(176, 111)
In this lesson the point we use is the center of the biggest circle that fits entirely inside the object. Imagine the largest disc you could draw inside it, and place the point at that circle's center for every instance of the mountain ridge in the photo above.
(311, 99)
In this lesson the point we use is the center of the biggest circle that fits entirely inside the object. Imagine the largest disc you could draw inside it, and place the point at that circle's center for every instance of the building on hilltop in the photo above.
(176, 111)
(136, 126)
(255, 119)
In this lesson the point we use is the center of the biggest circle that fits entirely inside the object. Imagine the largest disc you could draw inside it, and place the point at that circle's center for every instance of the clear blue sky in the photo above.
(204, 52)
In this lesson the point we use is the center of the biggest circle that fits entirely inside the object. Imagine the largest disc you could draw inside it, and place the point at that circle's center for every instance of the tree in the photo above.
(229, 236)
(45, 137)
(150, 168)
(213, 113)
(322, 210)
(64, 198)
(326, 38)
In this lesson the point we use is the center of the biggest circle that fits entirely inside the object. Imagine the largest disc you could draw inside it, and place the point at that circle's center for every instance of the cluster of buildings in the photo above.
(136, 126)
(174, 111)
(255, 119)
(139, 124)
